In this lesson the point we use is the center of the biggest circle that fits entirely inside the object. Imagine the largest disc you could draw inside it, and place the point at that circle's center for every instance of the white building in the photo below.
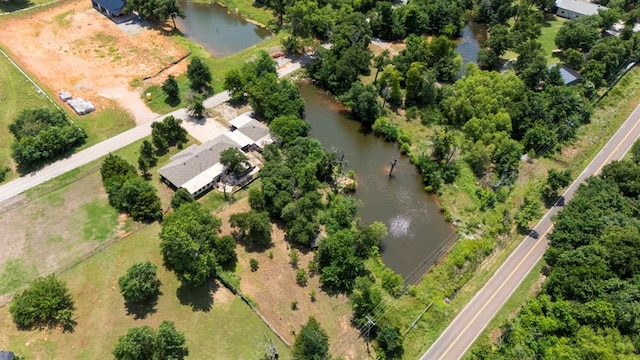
(572, 9)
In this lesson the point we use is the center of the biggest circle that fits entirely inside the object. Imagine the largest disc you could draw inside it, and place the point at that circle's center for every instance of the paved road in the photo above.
(94, 152)
(472, 320)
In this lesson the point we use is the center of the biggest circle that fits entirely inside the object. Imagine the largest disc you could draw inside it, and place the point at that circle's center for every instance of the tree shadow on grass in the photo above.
(142, 310)
(200, 298)
(172, 101)
(14, 5)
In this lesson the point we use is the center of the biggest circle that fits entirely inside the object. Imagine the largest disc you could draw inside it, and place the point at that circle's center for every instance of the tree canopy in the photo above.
(140, 283)
(144, 343)
(45, 303)
(312, 342)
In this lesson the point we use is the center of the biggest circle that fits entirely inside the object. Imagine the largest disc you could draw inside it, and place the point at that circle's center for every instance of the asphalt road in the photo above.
(469, 324)
(101, 149)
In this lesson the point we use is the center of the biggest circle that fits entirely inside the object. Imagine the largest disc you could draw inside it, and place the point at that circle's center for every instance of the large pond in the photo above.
(219, 32)
(418, 231)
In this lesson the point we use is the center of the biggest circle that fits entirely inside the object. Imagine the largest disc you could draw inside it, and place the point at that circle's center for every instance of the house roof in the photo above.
(254, 130)
(203, 178)
(569, 76)
(579, 7)
(194, 161)
(7, 355)
(114, 6)
(240, 138)
(241, 120)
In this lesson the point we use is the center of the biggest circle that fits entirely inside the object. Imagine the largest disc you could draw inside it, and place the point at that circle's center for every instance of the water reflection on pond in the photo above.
(417, 229)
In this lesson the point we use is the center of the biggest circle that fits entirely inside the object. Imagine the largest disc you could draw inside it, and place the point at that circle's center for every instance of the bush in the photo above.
(312, 295)
(253, 263)
(4, 170)
(294, 305)
(301, 277)
(140, 283)
(392, 282)
(146, 343)
(386, 129)
(293, 257)
(45, 303)
(170, 87)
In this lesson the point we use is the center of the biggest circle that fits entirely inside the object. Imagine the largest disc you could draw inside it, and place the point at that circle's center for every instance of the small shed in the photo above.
(110, 8)
(7, 355)
(569, 75)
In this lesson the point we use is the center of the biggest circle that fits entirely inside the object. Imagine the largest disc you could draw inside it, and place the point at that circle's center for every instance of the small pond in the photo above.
(221, 33)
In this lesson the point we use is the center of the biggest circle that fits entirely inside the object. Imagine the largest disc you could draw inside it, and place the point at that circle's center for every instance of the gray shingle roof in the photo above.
(569, 76)
(194, 160)
(254, 130)
(579, 6)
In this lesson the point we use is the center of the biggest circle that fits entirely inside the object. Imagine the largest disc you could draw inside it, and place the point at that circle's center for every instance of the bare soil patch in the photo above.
(73, 47)
(273, 287)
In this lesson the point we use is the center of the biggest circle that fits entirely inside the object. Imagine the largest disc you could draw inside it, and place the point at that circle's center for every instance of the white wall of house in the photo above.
(567, 13)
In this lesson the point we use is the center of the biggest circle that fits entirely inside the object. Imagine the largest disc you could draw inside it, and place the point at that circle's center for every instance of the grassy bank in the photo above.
(218, 66)
(465, 270)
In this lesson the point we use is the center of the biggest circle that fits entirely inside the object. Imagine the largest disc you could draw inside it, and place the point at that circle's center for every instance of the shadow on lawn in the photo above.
(200, 298)
(142, 310)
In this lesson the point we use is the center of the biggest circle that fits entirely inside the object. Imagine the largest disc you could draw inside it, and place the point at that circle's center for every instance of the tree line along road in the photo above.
(476, 315)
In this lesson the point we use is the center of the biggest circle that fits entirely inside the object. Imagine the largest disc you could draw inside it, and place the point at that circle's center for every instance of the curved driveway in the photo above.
(472, 320)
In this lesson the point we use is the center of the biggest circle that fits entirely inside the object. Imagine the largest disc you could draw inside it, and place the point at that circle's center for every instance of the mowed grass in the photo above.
(550, 26)
(104, 124)
(223, 328)
(248, 9)
(218, 66)
(62, 220)
(16, 94)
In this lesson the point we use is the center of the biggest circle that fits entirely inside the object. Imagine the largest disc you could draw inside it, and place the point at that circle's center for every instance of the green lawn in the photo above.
(248, 9)
(550, 27)
(16, 94)
(218, 66)
(216, 327)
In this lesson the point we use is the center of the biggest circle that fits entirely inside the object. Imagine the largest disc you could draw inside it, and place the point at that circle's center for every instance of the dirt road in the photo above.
(469, 324)
(88, 155)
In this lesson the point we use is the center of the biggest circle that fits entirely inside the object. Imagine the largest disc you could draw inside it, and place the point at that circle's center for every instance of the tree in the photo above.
(579, 34)
(144, 343)
(147, 158)
(199, 75)
(188, 238)
(140, 284)
(271, 97)
(45, 303)
(157, 10)
(380, 62)
(312, 342)
(170, 87)
(363, 102)
(338, 262)
(499, 40)
(531, 64)
(255, 226)
(195, 106)
(365, 300)
(139, 199)
(573, 58)
(235, 83)
(181, 196)
(443, 59)
(635, 152)
(168, 132)
(234, 160)
(556, 180)
(225, 247)
(390, 341)
(288, 128)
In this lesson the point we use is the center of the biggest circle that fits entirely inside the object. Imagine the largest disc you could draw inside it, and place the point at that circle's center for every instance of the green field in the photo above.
(550, 27)
(16, 94)
(216, 327)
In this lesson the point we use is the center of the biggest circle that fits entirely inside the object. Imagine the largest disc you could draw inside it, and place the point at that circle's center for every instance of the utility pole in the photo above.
(370, 324)
(394, 162)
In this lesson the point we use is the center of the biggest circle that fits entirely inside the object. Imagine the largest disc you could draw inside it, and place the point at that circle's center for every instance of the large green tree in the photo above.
(312, 342)
(140, 283)
(157, 10)
(188, 239)
(168, 132)
(199, 75)
(234, 160)
(45, 303)
(255, 227)
(288, 128)
(144, 343)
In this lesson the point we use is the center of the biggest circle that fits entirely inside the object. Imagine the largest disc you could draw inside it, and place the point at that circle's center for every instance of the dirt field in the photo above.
(73, 47)
(273, 287)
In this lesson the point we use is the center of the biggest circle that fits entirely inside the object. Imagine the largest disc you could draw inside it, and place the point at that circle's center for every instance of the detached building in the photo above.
(569, 75)
(110, 8)
(197, 168)
(572, 9)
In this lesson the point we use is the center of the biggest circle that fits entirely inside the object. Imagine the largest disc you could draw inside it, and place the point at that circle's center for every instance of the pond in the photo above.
(469, 44)
(219, 32)
(418, 232)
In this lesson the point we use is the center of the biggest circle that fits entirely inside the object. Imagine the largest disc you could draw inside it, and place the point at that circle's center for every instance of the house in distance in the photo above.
(572, 9)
